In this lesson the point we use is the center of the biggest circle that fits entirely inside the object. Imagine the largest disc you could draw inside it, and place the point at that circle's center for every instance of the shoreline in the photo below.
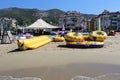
(65, 72)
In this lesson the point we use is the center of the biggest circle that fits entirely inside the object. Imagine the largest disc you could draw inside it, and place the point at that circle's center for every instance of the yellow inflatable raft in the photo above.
(98, 36)
(93, 40)
(86, 37)
(58, 39)
(74, 37)
(33, 43)
(85, 44)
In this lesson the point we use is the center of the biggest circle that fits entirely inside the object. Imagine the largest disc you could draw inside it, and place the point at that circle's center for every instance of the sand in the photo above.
(54, 61)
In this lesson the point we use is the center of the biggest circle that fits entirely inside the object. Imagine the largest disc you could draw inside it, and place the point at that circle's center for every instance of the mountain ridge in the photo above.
(28, 16)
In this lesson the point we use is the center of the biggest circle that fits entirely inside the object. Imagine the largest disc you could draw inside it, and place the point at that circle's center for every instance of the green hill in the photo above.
(28, 16)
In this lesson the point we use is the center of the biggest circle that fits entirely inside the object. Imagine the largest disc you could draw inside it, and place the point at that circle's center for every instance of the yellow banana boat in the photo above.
(33, 43)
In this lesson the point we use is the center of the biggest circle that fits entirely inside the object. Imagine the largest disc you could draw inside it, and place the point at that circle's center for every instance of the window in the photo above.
(115, 16)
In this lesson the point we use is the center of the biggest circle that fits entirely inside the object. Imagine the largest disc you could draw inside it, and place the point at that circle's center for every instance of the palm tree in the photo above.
(118, 27)
(65, 21)
(111, 18)
(118, 19)
(93, 24)
(74, 20)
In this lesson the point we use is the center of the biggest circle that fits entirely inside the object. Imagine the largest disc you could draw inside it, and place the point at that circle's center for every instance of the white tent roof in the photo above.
(40, 24)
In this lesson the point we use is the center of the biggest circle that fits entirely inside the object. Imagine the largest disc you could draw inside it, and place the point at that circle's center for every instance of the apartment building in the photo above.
(110, 20)
(6, 23)
(71, 19)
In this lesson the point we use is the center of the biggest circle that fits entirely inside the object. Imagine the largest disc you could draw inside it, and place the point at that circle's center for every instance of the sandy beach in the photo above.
(54, 61)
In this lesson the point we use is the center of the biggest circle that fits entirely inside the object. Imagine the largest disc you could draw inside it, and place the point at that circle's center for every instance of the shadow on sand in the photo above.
(62, 46)
(17, 50)
(65, 46)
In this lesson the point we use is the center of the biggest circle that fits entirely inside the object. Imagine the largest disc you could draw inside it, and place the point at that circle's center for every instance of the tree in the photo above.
(55, 20)
(65, 21)
(74, 20)
(93, 24)
(118, 27)
(47, 20)
(111, 18)
(118, 19)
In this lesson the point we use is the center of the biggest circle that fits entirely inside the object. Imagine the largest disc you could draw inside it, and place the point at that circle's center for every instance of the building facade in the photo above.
(110, 20)
(11, 21)
(71, 19)
(6, 23)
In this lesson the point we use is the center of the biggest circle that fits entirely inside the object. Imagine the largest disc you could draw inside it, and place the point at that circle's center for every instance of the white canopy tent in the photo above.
(40, 24)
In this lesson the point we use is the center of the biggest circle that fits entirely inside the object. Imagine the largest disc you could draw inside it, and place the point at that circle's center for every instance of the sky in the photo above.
(82, 6)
